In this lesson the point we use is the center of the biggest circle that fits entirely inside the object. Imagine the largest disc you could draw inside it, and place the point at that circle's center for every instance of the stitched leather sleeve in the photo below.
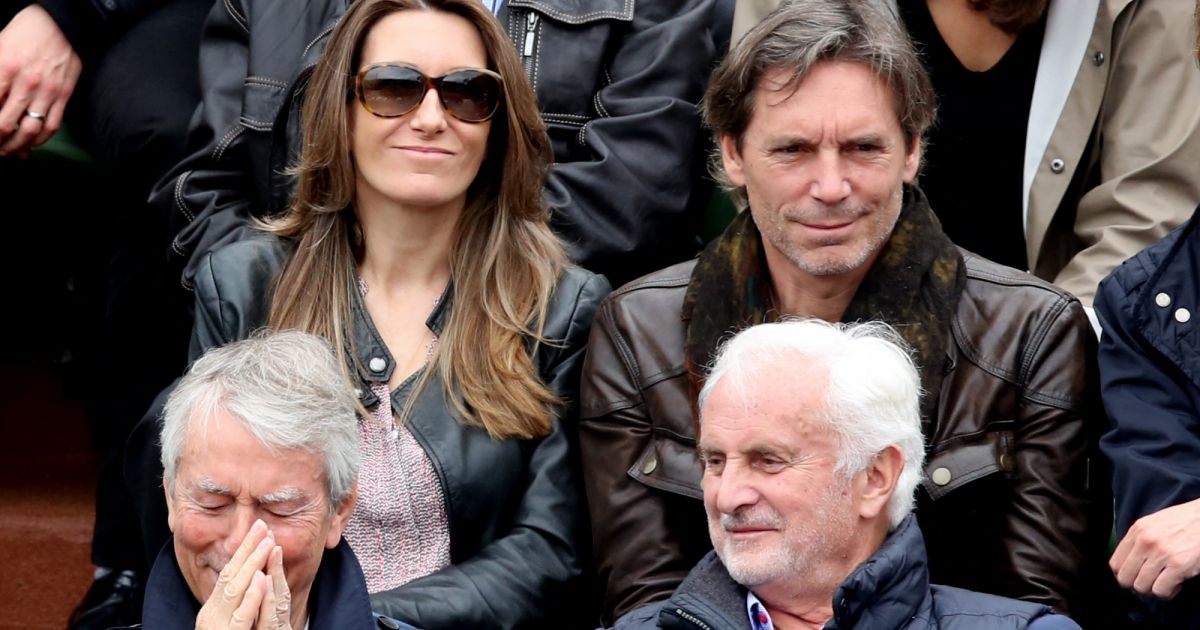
(1061, 514)
(646, 533)
(208, 196)
(626, 197)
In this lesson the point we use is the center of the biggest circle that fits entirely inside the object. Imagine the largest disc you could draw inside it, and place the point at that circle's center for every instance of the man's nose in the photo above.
(830, 184)
(735, 489)
(243, 518)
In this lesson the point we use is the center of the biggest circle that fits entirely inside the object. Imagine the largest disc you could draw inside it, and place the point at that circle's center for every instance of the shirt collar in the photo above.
(760, 619)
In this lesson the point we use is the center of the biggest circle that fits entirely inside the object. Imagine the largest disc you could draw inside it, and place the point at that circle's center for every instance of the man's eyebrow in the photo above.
(211, 487)
(283, 495)
(868, 138)
(787, 140)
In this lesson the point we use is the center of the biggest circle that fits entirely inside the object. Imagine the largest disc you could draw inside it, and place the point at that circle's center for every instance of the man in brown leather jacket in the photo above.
(819, 114)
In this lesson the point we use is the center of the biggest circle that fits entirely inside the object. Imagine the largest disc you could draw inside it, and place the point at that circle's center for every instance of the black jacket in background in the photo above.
(890, 590)
(86, 23)
(617, 82)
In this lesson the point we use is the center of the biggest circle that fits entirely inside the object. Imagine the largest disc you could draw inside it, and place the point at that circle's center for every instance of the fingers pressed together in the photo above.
(251, 590)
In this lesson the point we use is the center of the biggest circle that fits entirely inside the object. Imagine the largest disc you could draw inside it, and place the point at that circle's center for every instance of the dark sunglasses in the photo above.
(394, 89)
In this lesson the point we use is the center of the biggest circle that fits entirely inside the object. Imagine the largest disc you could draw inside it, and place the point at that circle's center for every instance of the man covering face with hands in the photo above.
(260, 460)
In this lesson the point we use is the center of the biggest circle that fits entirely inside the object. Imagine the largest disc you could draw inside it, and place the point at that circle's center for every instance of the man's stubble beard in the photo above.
(809, 260)
(802, 554)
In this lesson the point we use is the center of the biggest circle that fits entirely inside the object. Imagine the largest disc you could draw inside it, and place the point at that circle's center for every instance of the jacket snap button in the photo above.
(377, 364)
(941, 476)
(1057, 165)
(649, 465)
(1163, 300)
(1098, 58)
(1006, 463)
(1183, 315)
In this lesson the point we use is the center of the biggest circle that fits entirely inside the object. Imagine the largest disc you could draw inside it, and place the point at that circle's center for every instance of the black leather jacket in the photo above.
(518, 520)
(617, 81)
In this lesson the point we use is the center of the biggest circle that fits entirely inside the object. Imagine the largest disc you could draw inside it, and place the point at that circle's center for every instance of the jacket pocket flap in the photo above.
(261, 98)
(666, 464)
(967, 461)
(574, 12)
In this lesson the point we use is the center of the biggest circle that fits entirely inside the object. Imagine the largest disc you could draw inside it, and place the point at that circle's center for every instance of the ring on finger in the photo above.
(35, 115)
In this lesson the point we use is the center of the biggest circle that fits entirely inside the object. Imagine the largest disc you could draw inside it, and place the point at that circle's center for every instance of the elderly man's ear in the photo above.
(879, 482)
(170, 507)
(340, 516)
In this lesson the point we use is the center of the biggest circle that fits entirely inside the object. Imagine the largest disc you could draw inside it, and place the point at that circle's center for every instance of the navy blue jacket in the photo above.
(890, 590)
(1149, 308)
(338, 599)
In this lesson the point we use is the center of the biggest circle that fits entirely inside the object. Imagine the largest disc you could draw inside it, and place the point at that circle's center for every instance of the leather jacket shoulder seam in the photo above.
(237, 16)
(622, 346)
(652, 283)
(674, 436)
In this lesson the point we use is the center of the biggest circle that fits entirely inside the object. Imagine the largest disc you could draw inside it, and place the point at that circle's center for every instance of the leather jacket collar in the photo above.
(575, 12)
(375, 363)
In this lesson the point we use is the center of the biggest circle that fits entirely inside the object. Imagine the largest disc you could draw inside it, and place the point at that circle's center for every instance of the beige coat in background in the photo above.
(1118, 94)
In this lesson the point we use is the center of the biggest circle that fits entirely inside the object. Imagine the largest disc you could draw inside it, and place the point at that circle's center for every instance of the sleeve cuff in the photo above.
(79, 20)
(11, 9)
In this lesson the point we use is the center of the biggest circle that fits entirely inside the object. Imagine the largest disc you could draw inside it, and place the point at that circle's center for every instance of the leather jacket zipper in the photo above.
(530, 34)
(690, 618)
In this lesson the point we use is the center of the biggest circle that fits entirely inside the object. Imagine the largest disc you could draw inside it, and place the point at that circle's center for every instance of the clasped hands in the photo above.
(252, 590)
(1160, 552)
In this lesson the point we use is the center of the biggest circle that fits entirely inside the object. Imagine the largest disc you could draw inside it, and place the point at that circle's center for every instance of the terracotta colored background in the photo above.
(47, 479)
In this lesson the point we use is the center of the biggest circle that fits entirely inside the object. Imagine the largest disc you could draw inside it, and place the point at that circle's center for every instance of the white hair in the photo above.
(287, 391)
(872, 398)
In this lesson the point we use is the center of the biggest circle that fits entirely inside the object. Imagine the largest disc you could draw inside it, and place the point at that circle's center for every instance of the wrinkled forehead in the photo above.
(846, 82)
(222, 454)
(767, 399)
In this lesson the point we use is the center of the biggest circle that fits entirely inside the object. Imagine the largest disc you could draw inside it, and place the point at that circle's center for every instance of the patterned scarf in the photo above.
(914, 285)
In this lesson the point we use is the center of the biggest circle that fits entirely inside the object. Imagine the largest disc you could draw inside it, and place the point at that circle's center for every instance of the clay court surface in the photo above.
(47, 479)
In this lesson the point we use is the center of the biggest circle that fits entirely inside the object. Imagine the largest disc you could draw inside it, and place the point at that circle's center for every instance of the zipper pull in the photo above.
(530, 31)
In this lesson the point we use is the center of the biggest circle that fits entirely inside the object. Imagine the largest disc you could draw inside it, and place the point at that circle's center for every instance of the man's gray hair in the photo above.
(872, 397)
(287, 391)
(798, 35)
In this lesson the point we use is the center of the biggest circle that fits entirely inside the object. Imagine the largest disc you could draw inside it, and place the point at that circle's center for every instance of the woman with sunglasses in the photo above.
(418, 241)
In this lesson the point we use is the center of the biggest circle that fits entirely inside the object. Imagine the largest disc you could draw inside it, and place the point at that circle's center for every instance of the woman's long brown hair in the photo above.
(504, 263)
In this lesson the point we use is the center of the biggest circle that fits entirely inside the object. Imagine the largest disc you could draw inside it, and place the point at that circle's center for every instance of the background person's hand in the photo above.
(38, 73)
(237, 597)
(1160, 552)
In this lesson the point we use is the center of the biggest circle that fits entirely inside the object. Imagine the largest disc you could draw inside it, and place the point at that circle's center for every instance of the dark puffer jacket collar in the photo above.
(890, 587)
(890, 590)
(338, 599)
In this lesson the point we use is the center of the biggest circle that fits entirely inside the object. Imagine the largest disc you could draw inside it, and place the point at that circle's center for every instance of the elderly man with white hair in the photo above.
(260, 460)
(810, 437)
